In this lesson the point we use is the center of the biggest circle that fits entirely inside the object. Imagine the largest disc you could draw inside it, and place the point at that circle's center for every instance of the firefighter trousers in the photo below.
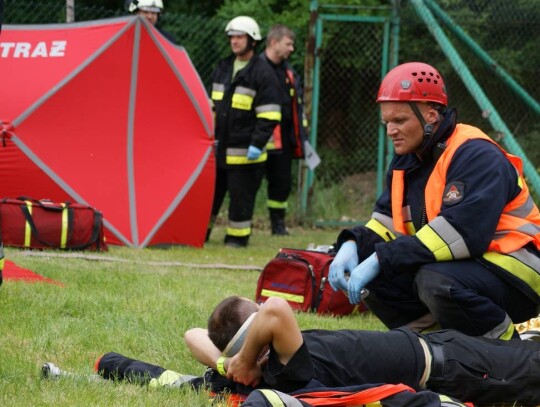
(279, 177)
(484, 370)
(242, 183)
(462, 295)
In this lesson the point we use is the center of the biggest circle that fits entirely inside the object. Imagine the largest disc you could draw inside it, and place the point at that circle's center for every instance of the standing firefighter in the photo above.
(287, 140)
(455, 238)
(151, 10)
(247, 108)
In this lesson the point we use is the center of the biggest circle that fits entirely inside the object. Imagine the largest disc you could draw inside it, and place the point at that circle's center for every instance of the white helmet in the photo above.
(153, 6)
(244, 25)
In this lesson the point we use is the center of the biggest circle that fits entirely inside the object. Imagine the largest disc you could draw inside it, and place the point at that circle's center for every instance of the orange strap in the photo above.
(343, 398)
(398, 190)
(296, 125)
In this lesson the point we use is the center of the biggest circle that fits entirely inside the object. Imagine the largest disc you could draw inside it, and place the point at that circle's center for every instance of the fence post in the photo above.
(70, 11)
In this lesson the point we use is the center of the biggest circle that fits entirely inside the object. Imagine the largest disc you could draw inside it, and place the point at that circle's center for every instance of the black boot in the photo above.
(277, 218)
(236, 241)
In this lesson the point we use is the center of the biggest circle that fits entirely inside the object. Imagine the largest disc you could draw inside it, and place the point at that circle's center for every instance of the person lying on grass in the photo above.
(267, 348)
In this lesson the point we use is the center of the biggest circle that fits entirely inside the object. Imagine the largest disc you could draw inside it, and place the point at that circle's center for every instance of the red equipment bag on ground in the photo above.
(301, 278)
(33, 224)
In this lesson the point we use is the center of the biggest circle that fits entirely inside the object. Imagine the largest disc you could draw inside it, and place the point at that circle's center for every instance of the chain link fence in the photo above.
(351, 57)
(348, 120)
(509, 33)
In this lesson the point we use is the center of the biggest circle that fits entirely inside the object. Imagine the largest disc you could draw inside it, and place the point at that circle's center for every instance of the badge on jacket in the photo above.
(453, 193)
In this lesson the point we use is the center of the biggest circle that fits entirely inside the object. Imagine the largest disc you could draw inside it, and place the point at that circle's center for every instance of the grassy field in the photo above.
(134, 302)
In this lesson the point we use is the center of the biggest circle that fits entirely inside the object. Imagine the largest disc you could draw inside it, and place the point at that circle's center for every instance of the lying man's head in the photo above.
(230, 320)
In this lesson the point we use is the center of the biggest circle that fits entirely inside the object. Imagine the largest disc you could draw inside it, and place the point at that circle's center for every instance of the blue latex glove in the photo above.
(361, 276)
(345, 261)
(253, 153)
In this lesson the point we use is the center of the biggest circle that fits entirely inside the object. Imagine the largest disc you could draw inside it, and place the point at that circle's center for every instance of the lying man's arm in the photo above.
(274, 324)
(201, 347)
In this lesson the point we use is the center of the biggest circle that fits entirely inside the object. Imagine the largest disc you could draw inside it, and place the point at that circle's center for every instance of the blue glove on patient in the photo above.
(345, 261)
(253, 153)
(361, 276)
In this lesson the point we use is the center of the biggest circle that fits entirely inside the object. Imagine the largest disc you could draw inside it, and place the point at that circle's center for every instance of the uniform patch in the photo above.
(453, 193)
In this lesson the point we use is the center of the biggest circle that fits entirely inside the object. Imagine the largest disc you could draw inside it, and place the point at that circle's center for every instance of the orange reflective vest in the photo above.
(519, 223)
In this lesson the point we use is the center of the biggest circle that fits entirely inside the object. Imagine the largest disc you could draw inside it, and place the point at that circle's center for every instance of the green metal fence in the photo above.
(487, 52)
(351, 55)
(347, 51)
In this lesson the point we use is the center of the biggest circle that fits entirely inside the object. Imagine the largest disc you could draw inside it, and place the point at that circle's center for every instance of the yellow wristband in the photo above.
(220, 365)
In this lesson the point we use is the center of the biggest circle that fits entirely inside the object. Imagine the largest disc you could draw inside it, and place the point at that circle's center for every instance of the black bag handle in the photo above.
(30, 221)
(41, 203)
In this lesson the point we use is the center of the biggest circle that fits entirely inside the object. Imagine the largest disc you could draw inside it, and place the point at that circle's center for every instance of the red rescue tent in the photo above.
(108, 113)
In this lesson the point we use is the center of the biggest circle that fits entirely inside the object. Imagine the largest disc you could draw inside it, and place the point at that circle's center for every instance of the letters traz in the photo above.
(42, 49)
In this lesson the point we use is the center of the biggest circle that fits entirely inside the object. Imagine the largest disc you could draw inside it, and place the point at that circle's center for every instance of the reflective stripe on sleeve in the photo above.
(380, 229)
(270, 112)
(386, 221)
(235, 156)
(440, 237)
(218, 90)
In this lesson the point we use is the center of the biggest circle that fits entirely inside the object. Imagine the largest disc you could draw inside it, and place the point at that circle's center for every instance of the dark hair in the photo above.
(227, 318)
(277, 32)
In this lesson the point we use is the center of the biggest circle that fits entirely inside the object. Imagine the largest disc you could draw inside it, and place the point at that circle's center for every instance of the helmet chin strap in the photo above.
(428, 130)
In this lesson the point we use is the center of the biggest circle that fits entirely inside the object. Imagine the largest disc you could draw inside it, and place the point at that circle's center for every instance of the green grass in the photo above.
(138, 307)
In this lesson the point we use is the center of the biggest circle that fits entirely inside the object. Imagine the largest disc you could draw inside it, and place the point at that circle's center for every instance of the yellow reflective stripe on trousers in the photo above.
(434, 243)
(447, 401)
(380, 229)
(167, 378)
(272, 397)
(236, 232)
(276, 204)
(65, 225)
(285, 296)
(509, 333)
(27, 228)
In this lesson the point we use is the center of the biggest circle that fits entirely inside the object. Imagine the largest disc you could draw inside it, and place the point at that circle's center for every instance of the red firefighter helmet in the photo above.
(413, 82)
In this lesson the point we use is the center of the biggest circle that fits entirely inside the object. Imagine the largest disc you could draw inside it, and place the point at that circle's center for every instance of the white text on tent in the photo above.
(28, 50)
